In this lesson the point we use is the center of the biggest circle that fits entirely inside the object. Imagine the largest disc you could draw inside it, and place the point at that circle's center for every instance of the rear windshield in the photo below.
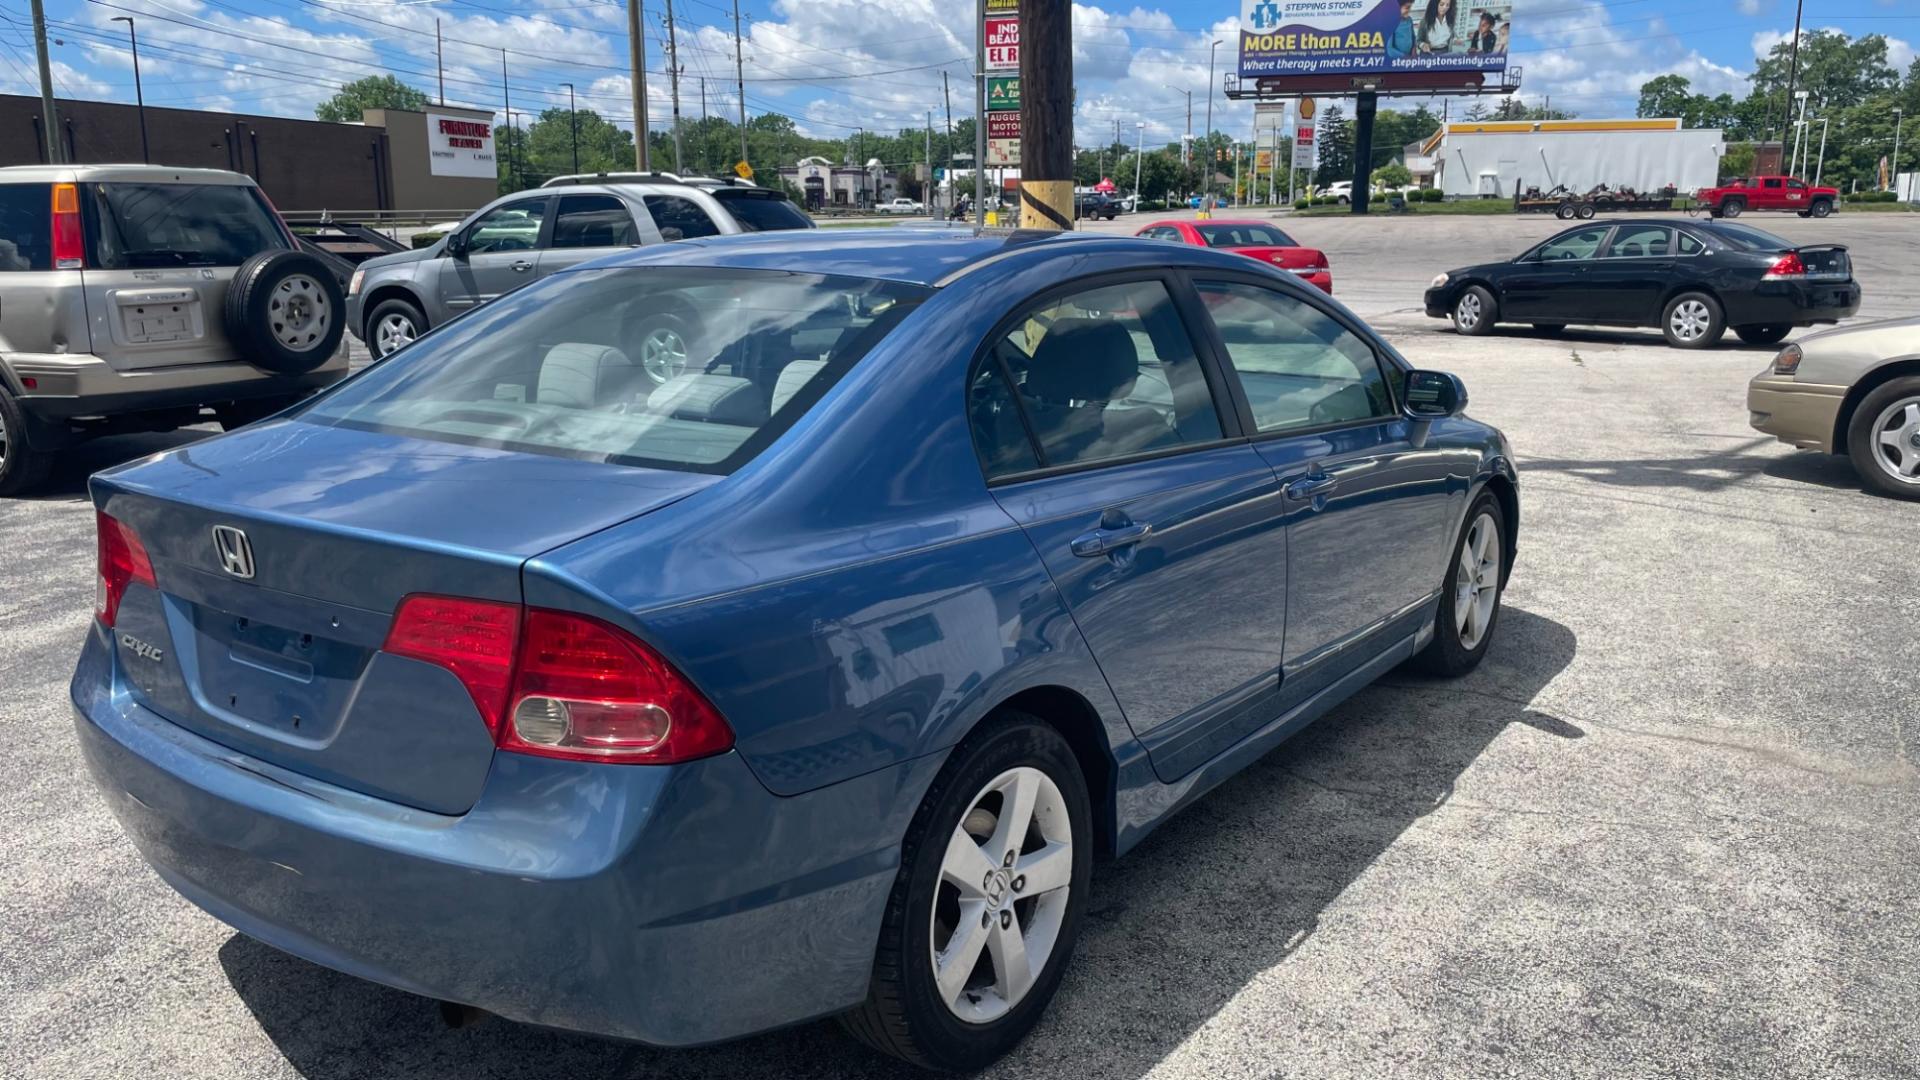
(26, 227)
(1750, 238)
(1229, 234)
(141, 226)
(665, 367)
(758, 211)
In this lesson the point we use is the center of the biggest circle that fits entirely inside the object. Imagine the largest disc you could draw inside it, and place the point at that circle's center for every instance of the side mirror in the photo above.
(1433, 395)
(457, 244)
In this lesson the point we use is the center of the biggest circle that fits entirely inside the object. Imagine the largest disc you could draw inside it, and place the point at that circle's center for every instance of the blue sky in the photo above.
(833, 65)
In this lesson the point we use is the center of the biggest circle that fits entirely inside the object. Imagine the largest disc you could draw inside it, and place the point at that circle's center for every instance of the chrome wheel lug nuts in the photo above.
(1019, 883)
(1006, 919)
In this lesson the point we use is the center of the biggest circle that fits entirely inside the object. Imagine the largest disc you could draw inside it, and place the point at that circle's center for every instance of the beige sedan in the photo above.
(1852, 391)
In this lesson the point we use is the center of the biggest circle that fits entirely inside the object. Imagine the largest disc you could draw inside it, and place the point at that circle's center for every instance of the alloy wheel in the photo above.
(1002, 898)
(3, 443)
(394, 331)
(663, 354)
(1468, 311)
(1690, 320)
(1476, 581)
(1896, 441)
(299, 312)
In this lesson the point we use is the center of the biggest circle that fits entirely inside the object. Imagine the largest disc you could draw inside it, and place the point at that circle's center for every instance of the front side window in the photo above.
(1578, 244)
(1797, 185)
(680, 219)
(593, 221)
(1639, 241)
(681, 368)
(1298, 367)
(1107, 372)
(26, 227)
(142, 226)
(513, 227)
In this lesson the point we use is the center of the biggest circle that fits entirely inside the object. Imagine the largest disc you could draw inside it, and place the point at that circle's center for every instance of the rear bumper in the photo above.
(1798, 303)
(1801, 414)
(672, 905)
(69, 385)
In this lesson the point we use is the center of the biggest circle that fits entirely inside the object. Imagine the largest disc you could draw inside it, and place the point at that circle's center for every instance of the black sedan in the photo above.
(1691, 279)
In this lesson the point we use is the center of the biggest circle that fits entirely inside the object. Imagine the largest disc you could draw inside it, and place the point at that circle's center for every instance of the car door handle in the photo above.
(1104, 541)
(1309, 486)
(521, 266)
(1663, 266)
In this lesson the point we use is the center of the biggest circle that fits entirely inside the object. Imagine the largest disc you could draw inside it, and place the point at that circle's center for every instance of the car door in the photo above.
(1548, 283)
(587, 227)
(501, 253)
(1159, 525)
(1772, 194)
(1370, 505)
(1636, 268)
(1795, 195)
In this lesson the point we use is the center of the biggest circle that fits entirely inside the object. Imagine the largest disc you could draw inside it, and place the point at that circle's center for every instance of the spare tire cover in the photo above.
(285, 312)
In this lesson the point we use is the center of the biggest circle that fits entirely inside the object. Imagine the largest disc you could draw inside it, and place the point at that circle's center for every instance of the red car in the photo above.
(1254, 239)
(1768, 193)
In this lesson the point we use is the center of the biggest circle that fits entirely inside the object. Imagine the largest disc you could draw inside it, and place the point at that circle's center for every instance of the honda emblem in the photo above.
(235, 551)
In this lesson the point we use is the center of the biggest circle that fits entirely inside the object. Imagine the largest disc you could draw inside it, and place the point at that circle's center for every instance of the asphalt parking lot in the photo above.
(1667, 829)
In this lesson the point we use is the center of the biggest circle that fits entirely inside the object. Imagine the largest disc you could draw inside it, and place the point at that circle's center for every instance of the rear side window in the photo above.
(591, 221)
(674, 367)
(1230, 235)
(759, 212)
(1638, 241)
(141, 226)
(26, 227)
(1688, 245)
(1750, 239)
(680, 219)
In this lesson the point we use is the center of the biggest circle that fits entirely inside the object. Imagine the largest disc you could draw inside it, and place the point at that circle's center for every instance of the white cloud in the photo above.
(1749, 7)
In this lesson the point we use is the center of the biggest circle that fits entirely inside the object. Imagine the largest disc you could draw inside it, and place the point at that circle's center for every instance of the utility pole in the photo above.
(980, 111)
(637, 57)
(1139, 146)
(673, 79)
(1209, 132)
(573, 127)
(439, 61)
(1366, 103)
(1046, 114)
(946, 91)
(1793, 74)
(1893, 169)
(740, 82)
(926, 190)
(139, 97)
(506, 96)
(46, 82)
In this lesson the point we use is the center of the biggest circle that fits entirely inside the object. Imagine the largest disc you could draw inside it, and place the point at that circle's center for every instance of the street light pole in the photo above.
(1208, 165)
(1799, 129)
(1894, 167)
(1140, 141)
(1820, 166)
(139, 97)
(573, 127)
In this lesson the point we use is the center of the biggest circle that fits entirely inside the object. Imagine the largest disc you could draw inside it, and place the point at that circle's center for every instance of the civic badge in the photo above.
(235, 551)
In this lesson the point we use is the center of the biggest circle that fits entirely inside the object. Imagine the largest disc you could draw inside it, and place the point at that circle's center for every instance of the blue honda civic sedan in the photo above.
(733, 633)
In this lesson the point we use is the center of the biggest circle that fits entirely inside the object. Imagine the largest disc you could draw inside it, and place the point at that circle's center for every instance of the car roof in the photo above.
(132, 173)
(928, 254)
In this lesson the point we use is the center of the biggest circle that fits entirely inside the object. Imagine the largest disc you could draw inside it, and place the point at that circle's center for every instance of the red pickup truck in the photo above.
(1735, 197)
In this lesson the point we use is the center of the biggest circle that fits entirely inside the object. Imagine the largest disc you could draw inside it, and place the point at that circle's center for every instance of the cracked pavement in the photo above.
(1666, 830)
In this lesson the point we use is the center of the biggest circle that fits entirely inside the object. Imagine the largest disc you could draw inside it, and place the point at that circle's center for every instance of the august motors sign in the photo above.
(459, 146)
(1360, 37)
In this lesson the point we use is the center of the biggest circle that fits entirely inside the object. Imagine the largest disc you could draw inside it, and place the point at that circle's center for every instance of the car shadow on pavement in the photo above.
(75, 464)
(1708, 470)
(1221, 895)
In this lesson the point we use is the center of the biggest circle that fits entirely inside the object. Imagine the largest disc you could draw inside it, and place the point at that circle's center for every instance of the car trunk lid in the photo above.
(280, 553)
(1826, 262)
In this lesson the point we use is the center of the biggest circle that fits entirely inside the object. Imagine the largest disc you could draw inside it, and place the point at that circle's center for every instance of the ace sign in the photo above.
(1003, 44)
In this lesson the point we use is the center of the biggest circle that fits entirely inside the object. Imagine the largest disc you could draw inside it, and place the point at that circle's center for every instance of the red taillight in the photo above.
(69, 245)
(474, 639)
(123, 560)
(1788, 265)
(577, 687)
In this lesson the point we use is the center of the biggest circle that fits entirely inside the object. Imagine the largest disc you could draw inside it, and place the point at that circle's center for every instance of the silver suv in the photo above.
(518, 239)
(133, 297)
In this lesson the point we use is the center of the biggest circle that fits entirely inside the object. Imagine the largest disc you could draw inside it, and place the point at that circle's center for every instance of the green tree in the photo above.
(1336, 148)
(1665, 95)
(551, 142)
(1392, 174)
(372, 92)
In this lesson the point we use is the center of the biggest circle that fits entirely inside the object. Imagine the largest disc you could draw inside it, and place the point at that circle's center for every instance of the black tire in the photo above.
(284, 312)
(1821, 207)
(22, 468)
(1550, 329)
(1476, 318)
(1763, 335)
(1707, 335)
(1448, 654)
(398, 317)
(238, 414)
(1564, 211)
(1862, 433)
(1585, 212)
(1733, 207)
(903, 1014)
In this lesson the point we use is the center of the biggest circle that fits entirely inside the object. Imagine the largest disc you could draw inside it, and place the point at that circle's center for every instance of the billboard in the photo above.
(1003, 92)
(1003, 44)
(1365, 37)
(459, 146)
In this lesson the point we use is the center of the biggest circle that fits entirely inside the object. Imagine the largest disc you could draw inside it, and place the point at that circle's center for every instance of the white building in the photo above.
(1489, 157)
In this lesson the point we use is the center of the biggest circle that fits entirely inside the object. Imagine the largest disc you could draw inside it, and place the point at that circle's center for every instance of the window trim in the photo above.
(984, 352)
(1384, 357)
